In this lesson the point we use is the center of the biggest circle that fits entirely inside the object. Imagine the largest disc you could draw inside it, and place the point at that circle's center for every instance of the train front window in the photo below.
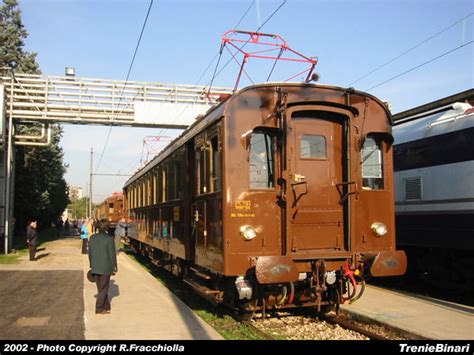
(372, 167)
(261, 161)
(313, 147)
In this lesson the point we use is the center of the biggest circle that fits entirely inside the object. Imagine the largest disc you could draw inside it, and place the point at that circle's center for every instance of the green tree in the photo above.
(78, 207)
(40, 188)
(12, 36)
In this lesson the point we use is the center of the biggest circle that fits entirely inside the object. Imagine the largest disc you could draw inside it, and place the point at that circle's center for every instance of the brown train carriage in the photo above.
(111, 209)
(280, 196)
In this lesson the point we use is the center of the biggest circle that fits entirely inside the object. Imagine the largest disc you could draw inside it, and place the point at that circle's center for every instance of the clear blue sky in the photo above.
(350, 38)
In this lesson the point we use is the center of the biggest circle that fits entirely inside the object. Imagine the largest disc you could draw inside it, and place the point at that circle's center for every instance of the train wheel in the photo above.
(246, 311)
(325, 310)
(244, 316)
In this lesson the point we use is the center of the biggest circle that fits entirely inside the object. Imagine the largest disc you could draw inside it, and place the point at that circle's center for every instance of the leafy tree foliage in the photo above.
(40, 188)
(12, 36)
(78, 207)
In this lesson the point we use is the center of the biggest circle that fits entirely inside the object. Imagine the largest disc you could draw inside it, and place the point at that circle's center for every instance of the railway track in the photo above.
(303, 325)
(308, 326)
(346, 324)
(290, 326)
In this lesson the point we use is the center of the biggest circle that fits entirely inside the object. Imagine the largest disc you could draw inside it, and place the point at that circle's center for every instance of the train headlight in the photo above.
(331, 277)
(248, 232)
(379, 229)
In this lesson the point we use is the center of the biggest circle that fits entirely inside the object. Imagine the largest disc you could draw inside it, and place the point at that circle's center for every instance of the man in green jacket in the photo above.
(103, 263)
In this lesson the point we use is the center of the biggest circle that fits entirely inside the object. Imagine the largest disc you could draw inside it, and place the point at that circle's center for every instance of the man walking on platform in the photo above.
(103, 262)
(32, 238)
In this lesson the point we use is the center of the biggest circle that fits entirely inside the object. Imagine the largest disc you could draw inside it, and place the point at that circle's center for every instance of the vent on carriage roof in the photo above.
(413, 188)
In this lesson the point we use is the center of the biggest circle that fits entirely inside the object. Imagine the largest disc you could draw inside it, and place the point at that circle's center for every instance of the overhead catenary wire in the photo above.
(210, 64)
(242, 47)
(216, 55)
(126, 81)
(215, 75)
(410, 49)
(420, 65)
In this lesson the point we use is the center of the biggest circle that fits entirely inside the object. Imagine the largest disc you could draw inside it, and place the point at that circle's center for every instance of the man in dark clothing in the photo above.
(32, 239)
(103, 262)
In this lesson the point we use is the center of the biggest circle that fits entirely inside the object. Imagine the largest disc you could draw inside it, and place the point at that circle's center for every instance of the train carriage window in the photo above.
(215, 154)
(164, 174)
(200, 164)
(372, 167)
(159, 181)
(155, 192)
(179, 179)
(208, 161)
(139, 194)
(148, 191)
(170, 183)
(136, 196)
(313, 147)
(261, 161)
(144, 192)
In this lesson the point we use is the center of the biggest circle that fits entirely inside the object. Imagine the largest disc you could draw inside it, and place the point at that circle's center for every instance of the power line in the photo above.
(212, 61)
(126, 81)
(220, 51)
(236, 26)
(215, 75)
(409, 50)
(420, 65)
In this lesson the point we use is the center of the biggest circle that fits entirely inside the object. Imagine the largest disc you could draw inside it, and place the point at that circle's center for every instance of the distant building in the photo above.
(75, 193)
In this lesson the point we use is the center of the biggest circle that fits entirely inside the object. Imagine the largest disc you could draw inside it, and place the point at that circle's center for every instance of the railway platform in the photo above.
(51, 299)
(424, 317)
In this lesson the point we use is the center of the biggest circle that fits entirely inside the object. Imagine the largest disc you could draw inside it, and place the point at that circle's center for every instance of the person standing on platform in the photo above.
(120, 233)
(84, 236)
(66, 228)
(32, 238)
(103, 263)
(90, 226)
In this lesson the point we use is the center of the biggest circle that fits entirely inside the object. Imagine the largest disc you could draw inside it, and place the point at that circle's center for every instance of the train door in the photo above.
(315, 148)
(207, 204)
(199, 203)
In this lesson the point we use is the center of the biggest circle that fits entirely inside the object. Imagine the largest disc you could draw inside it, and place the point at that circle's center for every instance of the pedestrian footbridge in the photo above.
(70, 99)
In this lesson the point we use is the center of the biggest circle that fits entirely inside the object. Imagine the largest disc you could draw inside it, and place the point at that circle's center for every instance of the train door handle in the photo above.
(299, 178)
(297, 196)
